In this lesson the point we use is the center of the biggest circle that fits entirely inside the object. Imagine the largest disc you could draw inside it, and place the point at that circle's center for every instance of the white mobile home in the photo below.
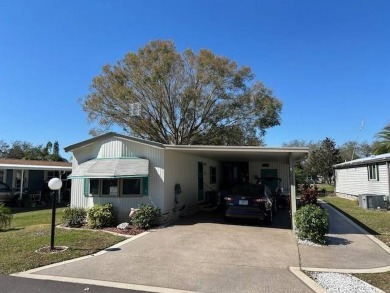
(363, 176)
(128, 171)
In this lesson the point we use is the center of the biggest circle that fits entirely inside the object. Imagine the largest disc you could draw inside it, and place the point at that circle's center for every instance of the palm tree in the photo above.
(382, 145)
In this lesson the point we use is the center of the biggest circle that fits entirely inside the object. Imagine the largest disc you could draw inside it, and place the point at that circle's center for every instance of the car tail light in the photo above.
(227, 198)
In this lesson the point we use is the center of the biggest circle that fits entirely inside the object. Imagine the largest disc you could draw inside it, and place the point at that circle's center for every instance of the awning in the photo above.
(112, 168)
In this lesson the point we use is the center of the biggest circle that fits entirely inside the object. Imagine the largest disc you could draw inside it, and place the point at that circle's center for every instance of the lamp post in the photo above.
(54, 184)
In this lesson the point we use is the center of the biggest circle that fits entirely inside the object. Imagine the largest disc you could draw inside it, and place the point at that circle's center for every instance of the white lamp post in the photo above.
(54, 184)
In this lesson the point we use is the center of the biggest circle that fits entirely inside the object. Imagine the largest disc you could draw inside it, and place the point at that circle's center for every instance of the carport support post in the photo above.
(21, 185)
(293, 194)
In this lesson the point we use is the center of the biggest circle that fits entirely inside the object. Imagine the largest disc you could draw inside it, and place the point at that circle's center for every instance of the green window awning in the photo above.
(112, 168)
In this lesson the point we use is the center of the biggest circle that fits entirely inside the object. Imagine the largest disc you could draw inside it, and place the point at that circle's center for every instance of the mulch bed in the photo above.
(130, 231)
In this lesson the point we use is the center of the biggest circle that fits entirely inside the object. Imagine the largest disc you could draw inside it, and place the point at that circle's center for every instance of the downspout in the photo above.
(293, 195)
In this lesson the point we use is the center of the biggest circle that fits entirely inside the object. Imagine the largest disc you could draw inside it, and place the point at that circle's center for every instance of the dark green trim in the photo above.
(145, 185)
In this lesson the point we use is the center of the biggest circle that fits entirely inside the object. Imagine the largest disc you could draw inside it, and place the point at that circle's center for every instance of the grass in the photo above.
(30, 231)
(329, 188)
(376, 222)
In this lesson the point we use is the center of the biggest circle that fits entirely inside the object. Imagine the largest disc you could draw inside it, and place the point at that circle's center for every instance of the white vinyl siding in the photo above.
(183, 169)
(355, 181)
(115, 148)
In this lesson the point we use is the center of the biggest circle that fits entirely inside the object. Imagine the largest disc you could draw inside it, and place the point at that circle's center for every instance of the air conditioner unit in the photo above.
(372, 201)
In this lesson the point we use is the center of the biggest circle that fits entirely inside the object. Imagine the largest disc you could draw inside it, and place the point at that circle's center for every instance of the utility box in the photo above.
(372, 201)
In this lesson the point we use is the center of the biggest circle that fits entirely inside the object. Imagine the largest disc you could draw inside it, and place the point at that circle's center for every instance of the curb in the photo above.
(307, 280)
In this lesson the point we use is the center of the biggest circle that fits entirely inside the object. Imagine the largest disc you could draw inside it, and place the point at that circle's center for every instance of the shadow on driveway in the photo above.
(281, 220)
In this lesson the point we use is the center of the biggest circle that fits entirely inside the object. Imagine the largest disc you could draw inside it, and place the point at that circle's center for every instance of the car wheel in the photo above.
(268, 219)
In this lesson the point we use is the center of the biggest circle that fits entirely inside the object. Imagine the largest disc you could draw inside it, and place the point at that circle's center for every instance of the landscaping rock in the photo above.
(123, 226)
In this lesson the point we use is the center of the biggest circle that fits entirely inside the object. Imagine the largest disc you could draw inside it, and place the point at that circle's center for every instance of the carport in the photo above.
(252, 161)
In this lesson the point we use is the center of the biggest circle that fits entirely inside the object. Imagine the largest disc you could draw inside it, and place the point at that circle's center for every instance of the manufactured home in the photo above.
(31, 176)
(128, 171)
(366, 176)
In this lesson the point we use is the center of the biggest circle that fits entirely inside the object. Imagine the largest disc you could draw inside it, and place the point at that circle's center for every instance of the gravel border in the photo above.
(342, 283)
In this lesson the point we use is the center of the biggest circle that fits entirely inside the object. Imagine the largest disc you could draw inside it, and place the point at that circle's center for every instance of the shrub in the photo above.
(5, 216)
(309, 195)
(312, 223)
(100, 216)
(146, 216)
(26, 200)
(74, 217)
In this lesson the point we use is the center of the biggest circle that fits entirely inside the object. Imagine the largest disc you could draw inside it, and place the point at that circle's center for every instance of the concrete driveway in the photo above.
(197, 254)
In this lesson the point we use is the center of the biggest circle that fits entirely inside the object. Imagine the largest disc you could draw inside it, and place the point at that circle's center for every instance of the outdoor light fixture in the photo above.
(54, 184)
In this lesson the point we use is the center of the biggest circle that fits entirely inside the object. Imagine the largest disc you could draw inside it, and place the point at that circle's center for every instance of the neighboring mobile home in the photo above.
(363, 176)
(128, 171)
(31, 176)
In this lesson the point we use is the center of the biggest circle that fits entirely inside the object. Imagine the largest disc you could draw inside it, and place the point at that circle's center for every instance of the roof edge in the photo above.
(364, 161)
(92, 140)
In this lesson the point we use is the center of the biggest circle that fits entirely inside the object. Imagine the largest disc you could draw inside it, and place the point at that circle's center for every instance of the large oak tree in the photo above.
(184, 98)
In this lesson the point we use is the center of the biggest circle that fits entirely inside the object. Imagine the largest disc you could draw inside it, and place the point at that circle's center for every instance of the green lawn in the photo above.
(30, 231)
(329, 188)
(377, 223)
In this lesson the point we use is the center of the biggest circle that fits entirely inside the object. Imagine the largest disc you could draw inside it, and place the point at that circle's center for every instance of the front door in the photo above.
(270, 173)
(200, 182)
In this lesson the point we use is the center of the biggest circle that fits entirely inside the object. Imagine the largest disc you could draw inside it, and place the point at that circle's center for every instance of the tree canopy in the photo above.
(160, 94)
(322, 159)
(382, 145)
(25, 150)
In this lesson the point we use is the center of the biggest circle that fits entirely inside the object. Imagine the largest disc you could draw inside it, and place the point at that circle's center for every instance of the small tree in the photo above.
(322, 159)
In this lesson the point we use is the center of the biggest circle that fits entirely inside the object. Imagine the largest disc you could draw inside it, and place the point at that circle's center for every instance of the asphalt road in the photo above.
(20, 285)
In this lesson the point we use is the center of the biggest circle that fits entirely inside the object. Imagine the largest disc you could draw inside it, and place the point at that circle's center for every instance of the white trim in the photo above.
(35, 167)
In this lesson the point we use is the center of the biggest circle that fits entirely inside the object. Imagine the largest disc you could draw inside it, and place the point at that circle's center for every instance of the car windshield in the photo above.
(249, 190)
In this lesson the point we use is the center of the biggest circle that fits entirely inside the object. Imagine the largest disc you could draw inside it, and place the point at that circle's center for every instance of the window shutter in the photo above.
(377, 172)
(145, 187)
(86, 186)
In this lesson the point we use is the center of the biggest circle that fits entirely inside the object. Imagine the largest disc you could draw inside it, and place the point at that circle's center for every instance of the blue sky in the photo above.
(328, 61)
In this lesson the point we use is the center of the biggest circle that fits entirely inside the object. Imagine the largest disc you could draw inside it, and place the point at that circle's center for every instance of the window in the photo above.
(110, 187)
(213, 175)
(51, 174)
(116, 187)
(373, 172)
(131, 186)
(94, 186)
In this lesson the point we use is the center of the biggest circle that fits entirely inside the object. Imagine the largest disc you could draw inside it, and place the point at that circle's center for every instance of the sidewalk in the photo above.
(350, 247)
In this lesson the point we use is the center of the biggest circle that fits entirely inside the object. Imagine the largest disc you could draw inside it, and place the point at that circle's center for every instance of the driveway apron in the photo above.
(201, 257)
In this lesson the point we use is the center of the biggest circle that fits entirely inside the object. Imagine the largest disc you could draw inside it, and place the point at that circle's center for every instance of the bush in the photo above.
(74, 217)
(100, 216)
(309, 195)
(26, 200)
(146, 216)
(5, 216)
(312, 223)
